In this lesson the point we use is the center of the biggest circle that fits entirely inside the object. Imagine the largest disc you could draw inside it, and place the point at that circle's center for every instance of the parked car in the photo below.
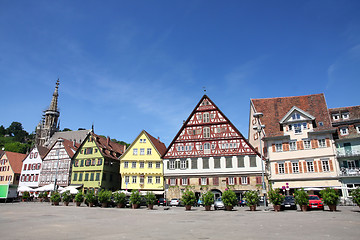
(175, 202)
(315, 202)
(242, 203)
(288, 203)
(162, 201)
(218, 204)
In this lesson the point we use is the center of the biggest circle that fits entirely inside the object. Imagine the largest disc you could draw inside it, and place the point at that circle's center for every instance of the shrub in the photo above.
(104, 196)
(150, 198)
(135, 197)
(66, 196)
(55, 197)
(90, 197)
(356, 195)
(79, 197)
(252, 198)
(229, 198)
(207, 198)
(119, 198)
(25, 195)
(276, 197)
(330, 196)
(188, 198)
(301, 197)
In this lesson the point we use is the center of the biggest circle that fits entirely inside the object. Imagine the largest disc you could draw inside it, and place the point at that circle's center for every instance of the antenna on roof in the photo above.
(92, 127)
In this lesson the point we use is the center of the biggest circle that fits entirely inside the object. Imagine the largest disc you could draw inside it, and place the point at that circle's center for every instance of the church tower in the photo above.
(49, 124)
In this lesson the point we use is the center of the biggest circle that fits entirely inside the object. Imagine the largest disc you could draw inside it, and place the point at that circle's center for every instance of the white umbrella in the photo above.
(126, 192)
(72, 190)
(24, 189)
(49, 187)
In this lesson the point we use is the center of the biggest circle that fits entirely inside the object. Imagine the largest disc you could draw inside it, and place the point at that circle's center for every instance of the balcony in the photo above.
(349, 172)
(352, 153)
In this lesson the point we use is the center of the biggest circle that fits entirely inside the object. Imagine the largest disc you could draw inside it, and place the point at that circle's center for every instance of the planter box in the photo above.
(277, 208)
(187, 207)
(208, 208)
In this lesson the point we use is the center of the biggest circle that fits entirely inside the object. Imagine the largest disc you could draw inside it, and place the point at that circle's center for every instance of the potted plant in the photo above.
(135, 199)
(55, 198)
(90, 198)
(252, 199)
(356, 196)
(276, 198)
(229, 199)
(40, 196)
(104, 197)
(25, 196)
(207, 199)
(66, 197)
(120, 199)
(330, 197)
(189, 199)
(302, 198)
(150, 199)
(79, 198)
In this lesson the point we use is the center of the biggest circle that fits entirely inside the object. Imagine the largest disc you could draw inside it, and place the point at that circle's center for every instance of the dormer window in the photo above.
(336, 116)
(358, 129)
(344, 131)
(295, 116)
(345, 115)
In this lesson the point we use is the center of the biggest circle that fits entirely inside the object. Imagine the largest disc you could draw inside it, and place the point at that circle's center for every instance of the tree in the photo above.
(16, 147)
(66, 130)
(2, 130)
(16, 130)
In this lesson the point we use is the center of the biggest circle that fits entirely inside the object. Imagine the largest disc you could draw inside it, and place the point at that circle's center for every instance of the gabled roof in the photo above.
(107, 147)
(296, 109)
(77, 136)
(354, 113)
(42, 151)
(274, 110)
(354, 119)
(15, 160)
(70, 147)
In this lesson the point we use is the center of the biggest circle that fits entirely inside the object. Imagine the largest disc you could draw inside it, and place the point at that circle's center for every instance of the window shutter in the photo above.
(286, 146)
(276, 168)
(300, 167)
(235, 183)
(187, 164)
(200, 181)
(331, 166)
(273, 148)
(240, 182)
(304, 165)
(167, 164)
(25, 166)
(301, 145)
(180, 182)
(298, 145)
(320, 166)
(286, 167)
(169, 181)
(290, 168)
(314, 143)
(176, 181)
(315, 167)
(207, 181)
(308, 125)
(29, 166)
(248, 180)
(328, 142)
(188, 181)
(227, 181)
(36, 177)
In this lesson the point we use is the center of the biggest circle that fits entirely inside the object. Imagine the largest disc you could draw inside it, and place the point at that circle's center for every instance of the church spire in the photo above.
(54, 101)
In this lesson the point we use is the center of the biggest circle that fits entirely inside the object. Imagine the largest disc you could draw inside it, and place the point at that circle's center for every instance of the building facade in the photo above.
(298, 141)
(210, 154)
(347, 141)
(10, 167)
(57, 163)
(96, 164)
(31, 167)
(142, 166)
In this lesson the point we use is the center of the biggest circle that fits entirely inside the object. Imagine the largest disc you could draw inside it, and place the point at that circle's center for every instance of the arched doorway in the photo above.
(217, 193)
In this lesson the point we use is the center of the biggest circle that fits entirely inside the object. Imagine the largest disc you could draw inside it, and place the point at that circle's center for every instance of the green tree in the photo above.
(2, 131)
(16, 147)
(66, 130)
(16, 130)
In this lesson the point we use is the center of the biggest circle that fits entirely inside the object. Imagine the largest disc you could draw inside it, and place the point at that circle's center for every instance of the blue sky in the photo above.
(133, 65)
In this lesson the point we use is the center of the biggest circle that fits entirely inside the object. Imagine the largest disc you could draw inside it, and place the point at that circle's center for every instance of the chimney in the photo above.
(108, 141)
(159, 139)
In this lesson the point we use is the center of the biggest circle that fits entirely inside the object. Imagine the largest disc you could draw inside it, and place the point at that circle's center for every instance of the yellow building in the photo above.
(141, 166)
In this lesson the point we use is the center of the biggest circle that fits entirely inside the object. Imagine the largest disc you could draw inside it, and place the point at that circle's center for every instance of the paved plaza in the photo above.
(43, 221)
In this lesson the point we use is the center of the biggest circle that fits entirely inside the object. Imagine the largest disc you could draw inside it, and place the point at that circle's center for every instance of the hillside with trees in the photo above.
(15, 138)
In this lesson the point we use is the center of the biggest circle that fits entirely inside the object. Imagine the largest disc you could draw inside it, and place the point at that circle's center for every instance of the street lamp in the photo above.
(259, 129)
(60, 141)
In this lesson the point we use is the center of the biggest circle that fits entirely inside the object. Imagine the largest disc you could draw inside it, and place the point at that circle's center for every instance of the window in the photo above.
(76, 163)
(158, 164)
(278, 147)
(148, 152)
(310, 166)
(86, 177)
(216, 181)
(127, 179)
(321, 124)
(172, 181)
(252, 161)
(336, 116)
(322, 142)
(217, 162)
(150, 164)
(307, 144)
(133, 165)
(229, 162)
(231, 180)
(133, 179)
(207, 148)
(297, 127)
(295, 116)
(80, 176)
(241, 162)
(292, 145)
(206, 132)
(184, 181)
(205, 163)
(206, 117)
(281, 168)
(157, 180)
(97, 178)
(126, 164)
(93, 162)
(295, 167)
(142, 151)
(194, 163)
(325, 165)
(142, 164)
(92, 177)
(344, 131)
(75, 177)
(135, 151)
(171, 164)
(150, 179)
(141, 179)
(87, 162)
(183, 164)
(82, 162)
(345, 115)
(351, 164)
(203, 181)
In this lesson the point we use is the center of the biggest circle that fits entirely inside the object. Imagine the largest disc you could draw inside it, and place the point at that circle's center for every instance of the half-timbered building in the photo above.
(209, 153)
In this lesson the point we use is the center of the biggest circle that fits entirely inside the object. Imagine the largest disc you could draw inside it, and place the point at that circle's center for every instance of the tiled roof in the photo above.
(78, 136)
(160, 146)
(15, 160)
(70, 147)
(274, 109)
(351, 122)
(42, 151)
(108, 148)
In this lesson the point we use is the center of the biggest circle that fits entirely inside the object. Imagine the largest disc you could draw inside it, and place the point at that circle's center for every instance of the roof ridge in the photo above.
(287, 97)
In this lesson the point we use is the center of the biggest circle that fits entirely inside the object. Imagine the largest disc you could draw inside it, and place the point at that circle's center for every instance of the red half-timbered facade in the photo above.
(209, 146)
